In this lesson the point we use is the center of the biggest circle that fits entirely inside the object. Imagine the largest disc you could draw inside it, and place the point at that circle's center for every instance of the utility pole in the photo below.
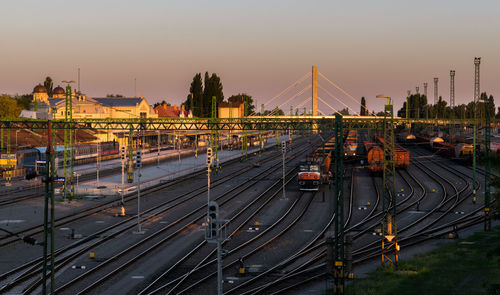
(135, 87)
(98, 162)
(452, 89)
(68, 142)
(338, 273)
(158, 155)
(49, 195)
(452, 104)
(229, 133)
(122, 151)
(138, 164)
(213, 235)
(244, 135)
(283, 152)
(477, 62)
(487, 138)
(215, 134)
(436, 91)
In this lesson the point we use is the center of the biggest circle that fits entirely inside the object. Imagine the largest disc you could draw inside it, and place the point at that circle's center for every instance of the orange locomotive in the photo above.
(315, 170)
(374, 156)
(351, 143)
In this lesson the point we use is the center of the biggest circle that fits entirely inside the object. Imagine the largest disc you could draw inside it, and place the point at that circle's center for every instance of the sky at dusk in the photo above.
(257, 47)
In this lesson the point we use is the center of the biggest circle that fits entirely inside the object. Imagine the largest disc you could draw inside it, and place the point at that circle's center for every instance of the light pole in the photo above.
(98, 162)
(17, 130)
(283, 152)
(138, 165)
(158, 156)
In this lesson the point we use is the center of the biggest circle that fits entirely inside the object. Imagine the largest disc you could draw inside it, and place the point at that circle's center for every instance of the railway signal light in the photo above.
(212, 222)
(209, 156)
(122, 152)
(283, 146)
(138, 159)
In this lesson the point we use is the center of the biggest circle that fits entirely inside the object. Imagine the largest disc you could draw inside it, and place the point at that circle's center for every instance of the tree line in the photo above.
(419, 108)
(201, 91)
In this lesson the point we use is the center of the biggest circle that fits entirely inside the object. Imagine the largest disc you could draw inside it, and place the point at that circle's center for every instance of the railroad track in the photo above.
(424, 233)
(31, 270)
(83, 213)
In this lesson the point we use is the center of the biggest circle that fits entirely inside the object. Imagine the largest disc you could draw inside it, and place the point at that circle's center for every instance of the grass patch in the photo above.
(470, 266)
(495, 163)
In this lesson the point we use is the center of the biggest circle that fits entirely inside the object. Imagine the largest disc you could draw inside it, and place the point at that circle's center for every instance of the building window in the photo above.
(143, 114)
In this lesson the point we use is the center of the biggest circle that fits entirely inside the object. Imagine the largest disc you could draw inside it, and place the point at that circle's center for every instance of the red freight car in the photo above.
(401, 156)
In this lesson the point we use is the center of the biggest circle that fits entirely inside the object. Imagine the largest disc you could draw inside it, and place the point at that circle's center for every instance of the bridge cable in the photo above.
(294, 96)
(330, 94)
(298, 81)
(340, 89)
(334, 109)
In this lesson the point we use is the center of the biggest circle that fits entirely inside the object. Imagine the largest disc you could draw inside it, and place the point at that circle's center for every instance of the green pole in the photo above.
(487, 138)
(130, 162)
(229, 134)
(244, 139)
(338, 199)
(261, 135)
(65, 152)
(214, 140)
(9, 172)
(474, 155)
(71, 144)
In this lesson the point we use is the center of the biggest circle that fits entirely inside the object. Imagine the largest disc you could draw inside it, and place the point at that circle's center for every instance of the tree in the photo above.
(364, 110)
(24, 101)
(344, 112)
(196, 90)
(240, 98)
(213, 87)
(9, 107)
(416, 106)
(275, 112)
(161, 103)
(48, 85)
